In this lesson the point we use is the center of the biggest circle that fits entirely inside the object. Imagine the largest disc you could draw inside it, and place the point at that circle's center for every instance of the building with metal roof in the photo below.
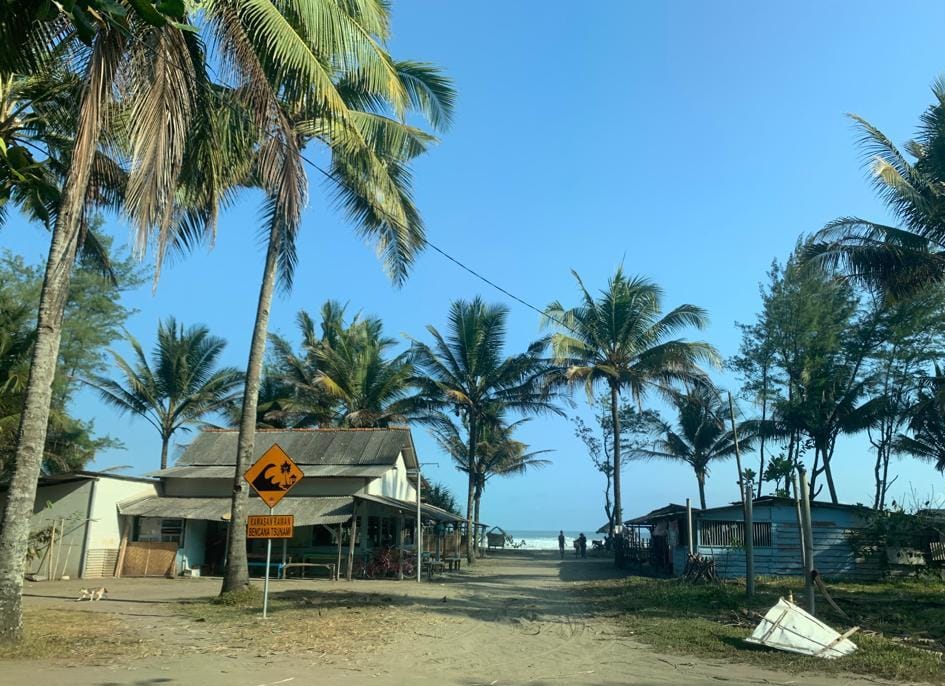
(367, 475)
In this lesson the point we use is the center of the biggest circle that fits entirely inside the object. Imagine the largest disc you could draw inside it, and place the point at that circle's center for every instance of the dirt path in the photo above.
(512, 620)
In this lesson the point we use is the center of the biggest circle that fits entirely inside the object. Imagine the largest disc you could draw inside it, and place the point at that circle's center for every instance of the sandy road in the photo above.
(513, 620)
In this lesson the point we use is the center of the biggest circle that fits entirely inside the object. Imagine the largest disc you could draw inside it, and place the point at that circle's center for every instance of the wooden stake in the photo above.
(338, 566)
(808, 539)
(52, 548)
(125, 525)
(748, 496)
(689, 526)
(353, 535)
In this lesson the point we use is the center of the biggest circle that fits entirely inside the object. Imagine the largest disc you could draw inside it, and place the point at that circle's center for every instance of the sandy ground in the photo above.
(511, 620)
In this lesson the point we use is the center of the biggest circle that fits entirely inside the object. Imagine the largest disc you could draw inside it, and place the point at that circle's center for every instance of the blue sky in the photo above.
(692, 141)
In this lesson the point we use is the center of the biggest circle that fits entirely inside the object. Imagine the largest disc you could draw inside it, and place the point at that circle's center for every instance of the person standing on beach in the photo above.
(561, 543)
(582, 541)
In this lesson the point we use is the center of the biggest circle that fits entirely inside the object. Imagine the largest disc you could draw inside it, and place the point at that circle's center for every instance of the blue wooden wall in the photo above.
(833, 556)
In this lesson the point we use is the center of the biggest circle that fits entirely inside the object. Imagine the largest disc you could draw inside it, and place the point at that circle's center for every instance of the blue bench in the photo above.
(277, 565)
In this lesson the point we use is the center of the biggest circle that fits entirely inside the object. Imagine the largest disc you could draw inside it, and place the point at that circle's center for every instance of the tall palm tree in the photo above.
(180, 385)
(623, 339)
(318, 71)
(497, 454)
(153, 72)
(897, 260)
(465, 373)
(701, 436)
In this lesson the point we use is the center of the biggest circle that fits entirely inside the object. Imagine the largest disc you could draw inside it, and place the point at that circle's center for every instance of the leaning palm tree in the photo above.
(701, 436)
(180, 385)
(142, 78)
(623, 339)
(318, 71)
(465, 373)
(896, 260)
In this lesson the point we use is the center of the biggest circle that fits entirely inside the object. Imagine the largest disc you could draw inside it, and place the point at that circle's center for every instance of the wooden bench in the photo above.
(454, 562)
(330, 566)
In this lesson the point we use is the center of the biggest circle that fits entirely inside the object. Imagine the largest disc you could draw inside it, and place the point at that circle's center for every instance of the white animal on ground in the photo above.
(91, 594)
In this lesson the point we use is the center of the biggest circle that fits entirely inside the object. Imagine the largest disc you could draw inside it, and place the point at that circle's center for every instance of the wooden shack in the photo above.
(718, 532)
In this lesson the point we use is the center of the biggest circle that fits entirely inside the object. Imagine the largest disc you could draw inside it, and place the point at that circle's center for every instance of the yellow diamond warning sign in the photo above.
(269, 526)
(273, 475)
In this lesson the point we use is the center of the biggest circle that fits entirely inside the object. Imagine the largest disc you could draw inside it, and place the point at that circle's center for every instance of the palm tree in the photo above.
(179, 387)
(927, 422)
(497, 454)
(323, 74)
(624, 340)
(344, 377)
(701, 436)
(897, 260)
(153, 71)
(464, 373)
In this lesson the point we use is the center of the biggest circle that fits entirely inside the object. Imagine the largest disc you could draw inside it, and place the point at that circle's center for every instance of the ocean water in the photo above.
(547, 539)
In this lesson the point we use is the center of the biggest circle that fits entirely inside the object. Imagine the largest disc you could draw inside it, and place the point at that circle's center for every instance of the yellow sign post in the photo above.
(272, 476)
(269, 526)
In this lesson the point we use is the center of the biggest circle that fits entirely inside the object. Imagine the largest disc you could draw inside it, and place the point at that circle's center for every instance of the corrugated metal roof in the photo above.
(226, 471)
(307, 447)
(307, 511)
(429, 510)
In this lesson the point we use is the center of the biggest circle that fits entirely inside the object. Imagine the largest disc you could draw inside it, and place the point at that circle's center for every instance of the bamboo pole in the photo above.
(52, 549)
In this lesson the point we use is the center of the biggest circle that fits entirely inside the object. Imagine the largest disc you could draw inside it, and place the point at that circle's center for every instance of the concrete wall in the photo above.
(105, 525)
(69, 502)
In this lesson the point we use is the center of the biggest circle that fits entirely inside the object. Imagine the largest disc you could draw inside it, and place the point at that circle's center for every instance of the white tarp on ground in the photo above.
(788, 627)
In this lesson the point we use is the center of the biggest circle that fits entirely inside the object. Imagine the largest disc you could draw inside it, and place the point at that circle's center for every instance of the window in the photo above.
(172, 530)
(380, 531)
(730, 534)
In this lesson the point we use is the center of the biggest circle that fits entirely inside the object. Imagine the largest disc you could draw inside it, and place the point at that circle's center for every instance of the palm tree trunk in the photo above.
(700, 477)
(615, 420)
(34, 420)
(470, 514)
(236, 573)
(164, 441)
(470, 504)
(608, 509)
(478, 500)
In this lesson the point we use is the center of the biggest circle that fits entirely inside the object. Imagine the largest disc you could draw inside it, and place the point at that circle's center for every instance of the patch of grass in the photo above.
(331, 626)
(72, 636)
(251, 596)
(903, 623)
